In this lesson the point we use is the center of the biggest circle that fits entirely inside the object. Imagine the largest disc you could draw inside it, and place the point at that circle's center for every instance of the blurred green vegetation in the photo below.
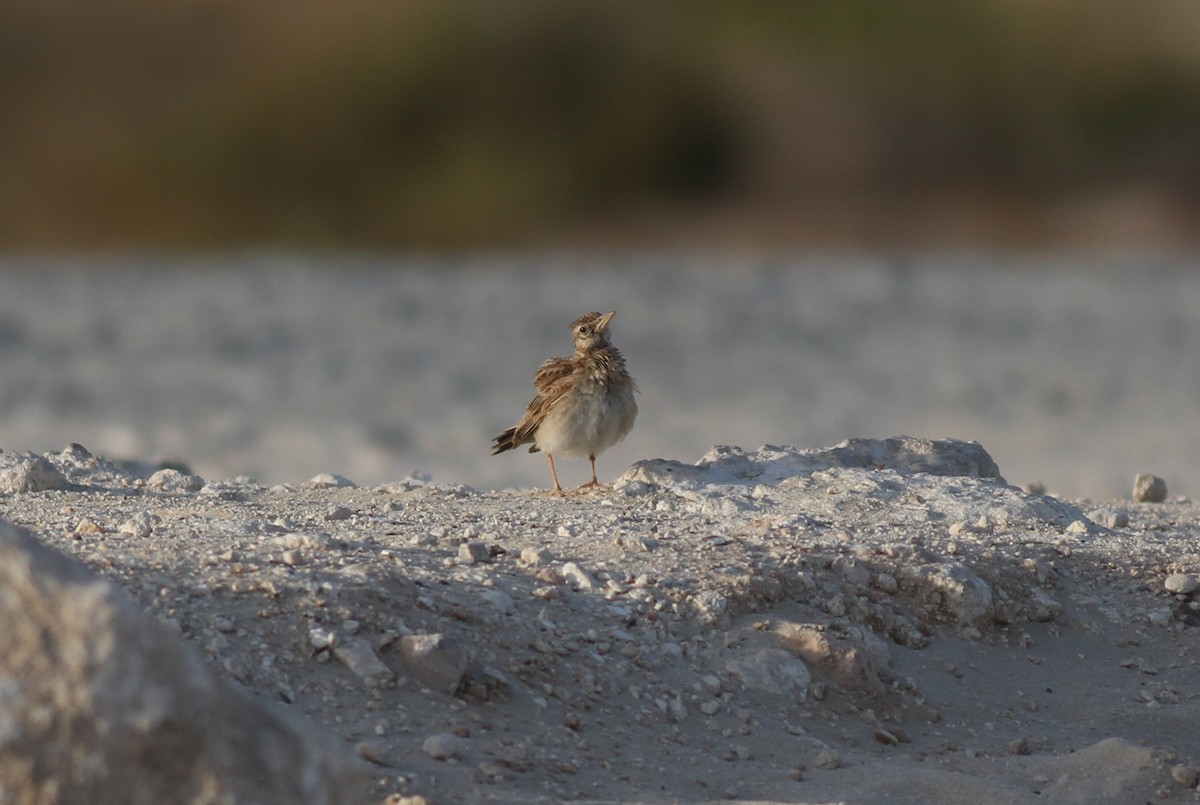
(453, 124)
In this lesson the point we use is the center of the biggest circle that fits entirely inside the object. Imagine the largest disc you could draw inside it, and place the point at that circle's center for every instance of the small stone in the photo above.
(1186, 776)
(536, 557)
(738, 752)
(372, 752)
(292, 558)
(172, 480)
(223, 625)
(141, 525)
(710, 706)
(773, 670)
(887, 583)
(1077, 528)
(499, 599)
(1149, 488)
(1019, 746)
(443, 746)
(334, 513)
(32, 474)
(577, 576)
(1180, 583)
(470, 553)
(1111, 518)
(361, 659)
(321, 639)
(854, 572)
(86, 528)
(328, 480)
(828, 759)
(710, 603)
(435, 659)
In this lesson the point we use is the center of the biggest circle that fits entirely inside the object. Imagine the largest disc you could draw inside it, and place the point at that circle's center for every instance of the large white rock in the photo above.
(99, 703)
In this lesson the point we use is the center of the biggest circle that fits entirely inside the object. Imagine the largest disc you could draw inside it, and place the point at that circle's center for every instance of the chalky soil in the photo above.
(880, 621)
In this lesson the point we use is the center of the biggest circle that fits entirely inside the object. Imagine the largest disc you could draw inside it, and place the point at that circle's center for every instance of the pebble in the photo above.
(33, 474)
(443, 746)
(1180, 583)
(141, 525)
(499, 599)
(361, 659)
(1149, 489)
(172, 480)
(577, 577)
(320, 639)
(334, 513)
(1111, 518)
(536, 557)
(437, 660)
(1159, 617)
(1019, 746)
(372, 752)
(470, 553)
(1186, 776)
(828, 759)
(710, 603)
(327, 480)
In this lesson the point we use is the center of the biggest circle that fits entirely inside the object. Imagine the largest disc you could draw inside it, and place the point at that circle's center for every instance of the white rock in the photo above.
(772, 670)
(536, 557)
(359, 657)
(710, 603)
(577, 577)
(327, 480)
(499, 599)
(172, 480)
(320, 638)
(471, 553)
(967, 597)
(1180, 583)
(1149, 489)
(443, 746)
(32, 474)
(435, 659)
(141, 525)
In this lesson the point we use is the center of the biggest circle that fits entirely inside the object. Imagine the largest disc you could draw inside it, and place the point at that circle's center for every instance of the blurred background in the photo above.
(445, 124)
(282, 238)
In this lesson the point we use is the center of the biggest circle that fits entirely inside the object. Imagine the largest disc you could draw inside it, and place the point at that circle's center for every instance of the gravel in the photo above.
(771, 624)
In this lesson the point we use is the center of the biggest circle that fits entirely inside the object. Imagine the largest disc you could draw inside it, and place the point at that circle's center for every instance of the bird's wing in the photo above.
(552, 381)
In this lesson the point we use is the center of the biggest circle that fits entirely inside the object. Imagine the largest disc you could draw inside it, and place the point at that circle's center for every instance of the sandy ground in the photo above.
(880, 622)
(1078, 373)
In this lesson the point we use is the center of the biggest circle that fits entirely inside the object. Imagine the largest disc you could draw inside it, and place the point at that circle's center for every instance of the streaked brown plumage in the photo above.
(584, 403)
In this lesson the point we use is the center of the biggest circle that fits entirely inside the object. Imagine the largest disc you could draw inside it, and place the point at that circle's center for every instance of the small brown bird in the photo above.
(584, 403)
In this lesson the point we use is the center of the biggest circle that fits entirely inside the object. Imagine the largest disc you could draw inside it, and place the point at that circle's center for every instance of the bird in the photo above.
(584, 403)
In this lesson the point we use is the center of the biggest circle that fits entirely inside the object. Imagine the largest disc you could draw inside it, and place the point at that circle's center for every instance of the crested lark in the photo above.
(584, 403)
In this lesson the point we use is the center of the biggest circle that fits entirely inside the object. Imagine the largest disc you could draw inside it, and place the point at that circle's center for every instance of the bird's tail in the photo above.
(505, 441)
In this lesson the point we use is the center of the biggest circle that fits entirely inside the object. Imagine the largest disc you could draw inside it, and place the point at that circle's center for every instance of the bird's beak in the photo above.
(602, 324)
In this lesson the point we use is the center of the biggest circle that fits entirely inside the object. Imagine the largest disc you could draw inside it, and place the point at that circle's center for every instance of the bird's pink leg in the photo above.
(593, 482)
(557, 490)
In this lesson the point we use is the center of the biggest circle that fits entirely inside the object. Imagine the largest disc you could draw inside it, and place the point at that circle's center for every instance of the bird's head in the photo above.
(590, 331)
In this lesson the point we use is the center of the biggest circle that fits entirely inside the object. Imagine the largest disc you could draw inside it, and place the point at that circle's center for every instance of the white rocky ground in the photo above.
(885, 621)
